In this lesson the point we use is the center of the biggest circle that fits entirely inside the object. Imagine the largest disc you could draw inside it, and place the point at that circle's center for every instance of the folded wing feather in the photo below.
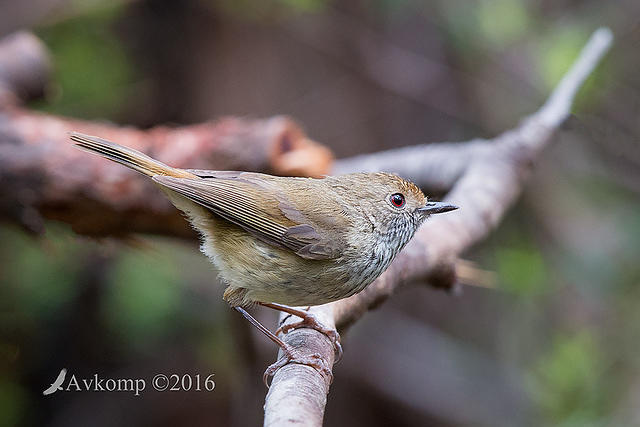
(253, 208)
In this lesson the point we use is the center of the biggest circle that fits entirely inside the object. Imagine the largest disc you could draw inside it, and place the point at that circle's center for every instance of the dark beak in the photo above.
(437, 207)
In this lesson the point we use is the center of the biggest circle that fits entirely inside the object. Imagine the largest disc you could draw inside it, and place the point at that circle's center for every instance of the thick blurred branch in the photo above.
(41, 175)
(486, 181)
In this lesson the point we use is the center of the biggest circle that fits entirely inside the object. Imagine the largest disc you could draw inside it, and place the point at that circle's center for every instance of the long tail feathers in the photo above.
(127, 156)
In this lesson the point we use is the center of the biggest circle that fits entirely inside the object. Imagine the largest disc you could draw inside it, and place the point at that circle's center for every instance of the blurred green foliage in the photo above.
(558, 48)
(305, 5)
(567, 381)
(521, 270)
(28, 263)
(92, 73)
(250, 10)
(12, 402)
(486, 24)
(144, 296)
(502, 22)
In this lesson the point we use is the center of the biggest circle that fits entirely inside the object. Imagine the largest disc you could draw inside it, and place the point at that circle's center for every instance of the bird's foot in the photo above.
(310, 321)
(292, 356)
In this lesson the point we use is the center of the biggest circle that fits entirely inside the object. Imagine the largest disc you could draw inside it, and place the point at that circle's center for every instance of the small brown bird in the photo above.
(281, 241)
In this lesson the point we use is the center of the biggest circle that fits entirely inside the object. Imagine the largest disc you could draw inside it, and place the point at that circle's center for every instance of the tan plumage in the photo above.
(293, 241)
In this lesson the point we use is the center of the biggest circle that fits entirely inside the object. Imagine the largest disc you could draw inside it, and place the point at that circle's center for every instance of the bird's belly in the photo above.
(259, 272)
(265, 273)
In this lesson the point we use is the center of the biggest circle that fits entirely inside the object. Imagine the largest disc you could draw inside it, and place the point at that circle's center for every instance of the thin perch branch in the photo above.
(486, 181)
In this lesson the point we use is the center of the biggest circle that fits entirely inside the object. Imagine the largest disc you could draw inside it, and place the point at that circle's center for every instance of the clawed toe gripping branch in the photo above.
(290, 354)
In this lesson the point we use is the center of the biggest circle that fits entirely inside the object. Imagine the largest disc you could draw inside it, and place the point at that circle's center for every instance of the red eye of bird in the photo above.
(397, 200)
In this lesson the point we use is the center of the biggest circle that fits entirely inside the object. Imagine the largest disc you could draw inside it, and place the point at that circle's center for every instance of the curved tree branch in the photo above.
(486, 181)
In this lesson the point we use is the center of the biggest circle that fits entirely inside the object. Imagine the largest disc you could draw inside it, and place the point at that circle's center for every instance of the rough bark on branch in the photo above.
(42, 175)
(485, 181)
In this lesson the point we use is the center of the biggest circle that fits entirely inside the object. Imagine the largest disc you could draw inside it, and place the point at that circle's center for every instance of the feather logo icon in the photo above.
(56, 385)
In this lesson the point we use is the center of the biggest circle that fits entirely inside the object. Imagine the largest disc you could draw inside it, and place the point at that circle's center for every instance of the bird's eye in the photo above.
(397, 200)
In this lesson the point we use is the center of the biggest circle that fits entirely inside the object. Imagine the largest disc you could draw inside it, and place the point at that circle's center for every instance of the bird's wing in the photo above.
(259, 209)
(205, 173)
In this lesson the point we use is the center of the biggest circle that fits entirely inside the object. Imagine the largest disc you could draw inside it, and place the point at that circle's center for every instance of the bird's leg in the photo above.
(308, 321)
(291, 355)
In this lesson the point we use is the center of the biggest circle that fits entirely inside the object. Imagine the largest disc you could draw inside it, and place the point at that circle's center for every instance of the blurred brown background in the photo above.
(556, 344)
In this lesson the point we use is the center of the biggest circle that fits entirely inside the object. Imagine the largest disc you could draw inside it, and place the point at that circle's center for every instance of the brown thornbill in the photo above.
(281, 241)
